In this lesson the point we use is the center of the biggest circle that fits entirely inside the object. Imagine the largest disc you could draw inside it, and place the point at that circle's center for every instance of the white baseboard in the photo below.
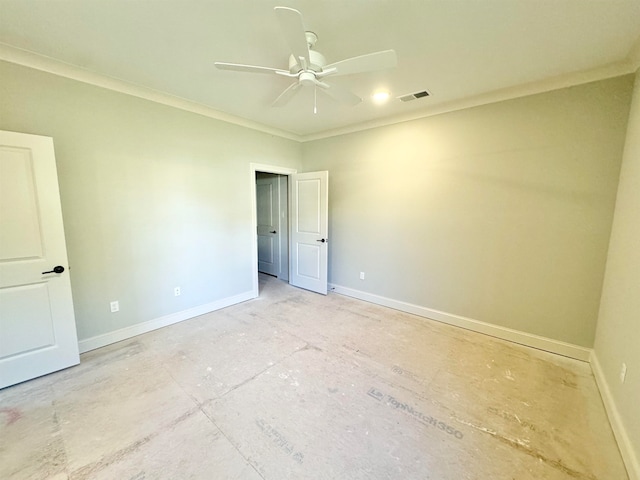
(504, 333)
(629, 456)
(144, 327)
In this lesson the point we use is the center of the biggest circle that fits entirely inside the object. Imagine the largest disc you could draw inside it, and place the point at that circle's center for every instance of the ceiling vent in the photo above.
(413, 96)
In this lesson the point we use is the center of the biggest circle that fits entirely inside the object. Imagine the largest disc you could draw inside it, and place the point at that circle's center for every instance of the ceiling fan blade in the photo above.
(365, 63)
(340, 94)
(293, 30)
(247, 68)
(285, 96)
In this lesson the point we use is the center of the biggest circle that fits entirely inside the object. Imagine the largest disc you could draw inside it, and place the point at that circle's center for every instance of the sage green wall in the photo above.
(152, 197)
(500, 213)
(618, 334)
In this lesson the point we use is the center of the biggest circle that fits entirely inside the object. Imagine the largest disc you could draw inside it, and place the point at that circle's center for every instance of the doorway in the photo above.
(272, 215)
(255, 169)
(307, 222)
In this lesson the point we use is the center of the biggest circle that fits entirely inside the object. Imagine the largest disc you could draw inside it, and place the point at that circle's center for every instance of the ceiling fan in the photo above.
(309, 67)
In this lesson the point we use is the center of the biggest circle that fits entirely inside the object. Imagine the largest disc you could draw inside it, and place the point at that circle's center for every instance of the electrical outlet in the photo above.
(361, 275)
(115, 306)
(176, 291)
(623, 372)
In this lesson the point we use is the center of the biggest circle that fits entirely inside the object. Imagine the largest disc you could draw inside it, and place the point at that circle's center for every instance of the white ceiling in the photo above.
(458, 50)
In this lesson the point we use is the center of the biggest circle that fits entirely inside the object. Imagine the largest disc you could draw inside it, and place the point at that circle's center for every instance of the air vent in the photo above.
(413, 96)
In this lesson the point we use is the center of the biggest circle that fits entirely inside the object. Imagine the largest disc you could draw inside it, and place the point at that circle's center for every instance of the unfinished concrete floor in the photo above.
(295, 385)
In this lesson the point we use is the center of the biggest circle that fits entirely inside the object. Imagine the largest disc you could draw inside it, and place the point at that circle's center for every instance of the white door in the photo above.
(37, 325)
(309, 230)
(267, 213)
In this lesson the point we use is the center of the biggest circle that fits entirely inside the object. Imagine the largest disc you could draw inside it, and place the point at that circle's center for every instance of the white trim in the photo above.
(625, 446)
(47, 64)
(504, 333)
(50, 65)
(634, 55)
(253, 168)
(541, 86)
(144, 327)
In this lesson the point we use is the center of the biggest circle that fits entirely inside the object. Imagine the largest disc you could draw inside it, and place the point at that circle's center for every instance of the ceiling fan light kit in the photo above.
(309, 66)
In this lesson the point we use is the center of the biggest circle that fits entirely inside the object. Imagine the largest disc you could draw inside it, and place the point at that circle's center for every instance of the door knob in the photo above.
(321, 240)
(57, 269)
(272, 231)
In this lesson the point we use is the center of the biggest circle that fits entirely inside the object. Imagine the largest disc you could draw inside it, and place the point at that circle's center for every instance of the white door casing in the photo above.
(283, 232)
(37, 324)
(254, 168)
(309, 231)
(268, 228)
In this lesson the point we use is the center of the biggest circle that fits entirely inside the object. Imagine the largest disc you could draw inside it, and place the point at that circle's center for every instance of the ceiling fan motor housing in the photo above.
(317, 63)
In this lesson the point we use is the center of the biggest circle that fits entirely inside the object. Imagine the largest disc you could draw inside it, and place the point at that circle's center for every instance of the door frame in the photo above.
(260, 167)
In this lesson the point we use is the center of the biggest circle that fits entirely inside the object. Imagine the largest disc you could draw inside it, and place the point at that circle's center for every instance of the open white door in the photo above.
(309, 230)
(37, 324)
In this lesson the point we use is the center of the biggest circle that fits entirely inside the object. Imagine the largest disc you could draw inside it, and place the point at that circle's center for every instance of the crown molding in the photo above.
(549, 84)
(47, 64)
(43, 63)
